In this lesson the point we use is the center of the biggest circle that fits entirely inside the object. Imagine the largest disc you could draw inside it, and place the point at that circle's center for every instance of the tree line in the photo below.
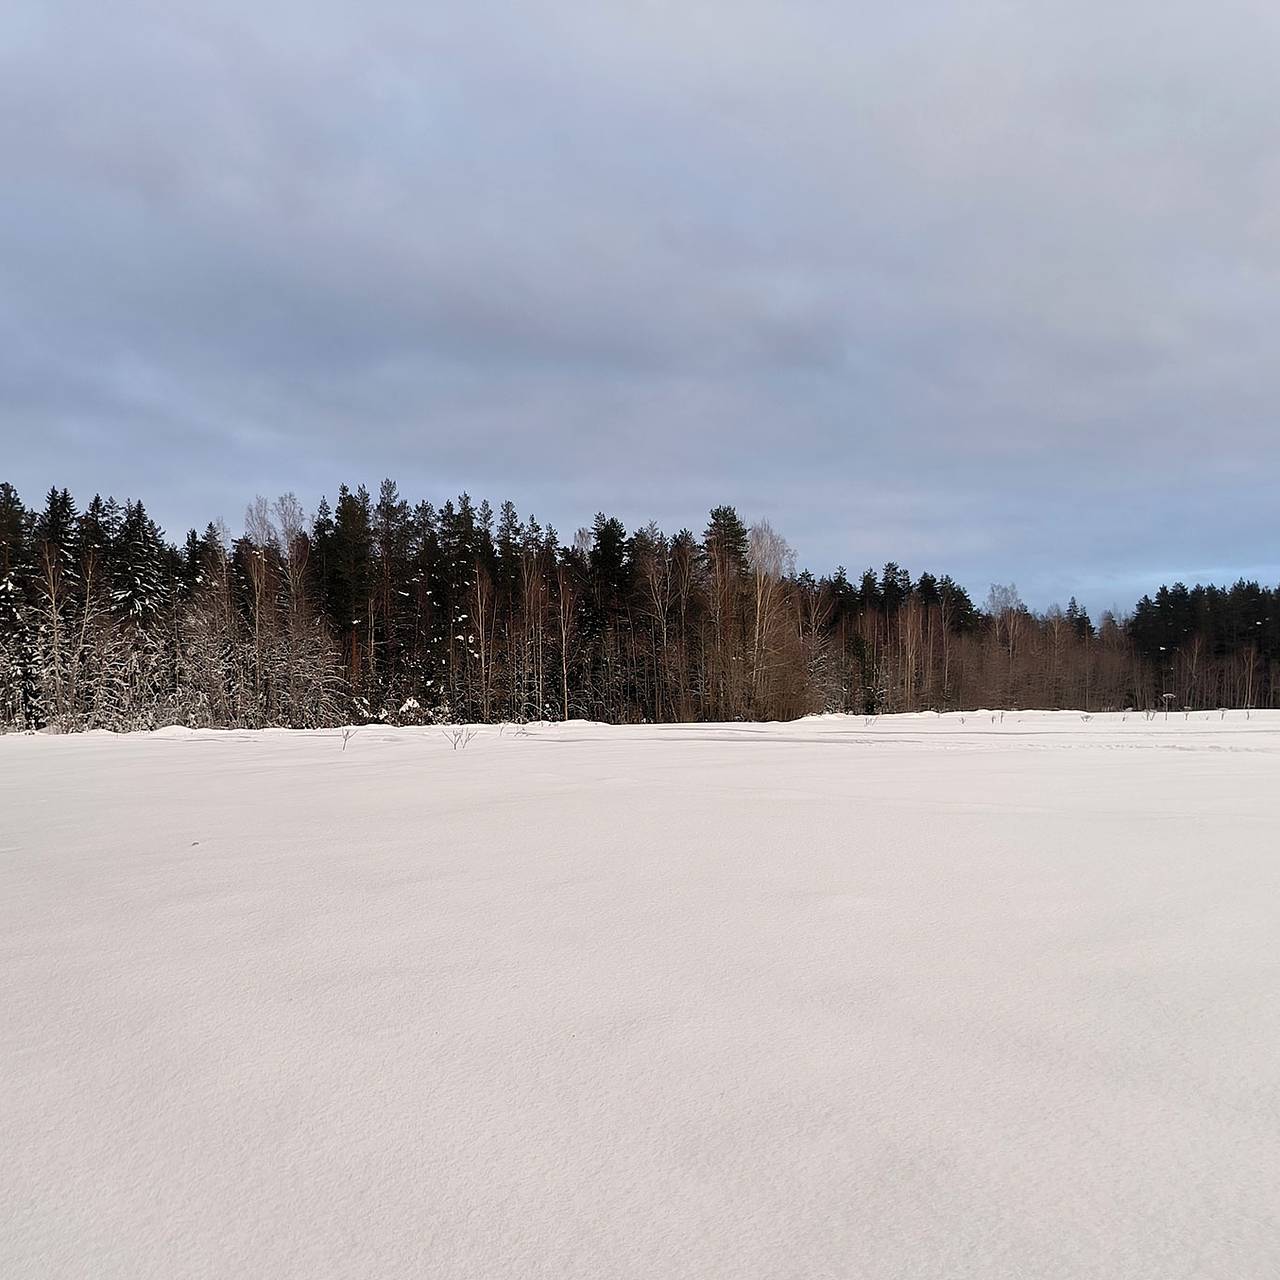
(379, 610)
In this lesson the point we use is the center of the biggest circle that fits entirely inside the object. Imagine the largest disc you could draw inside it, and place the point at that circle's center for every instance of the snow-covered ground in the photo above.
(920, 997)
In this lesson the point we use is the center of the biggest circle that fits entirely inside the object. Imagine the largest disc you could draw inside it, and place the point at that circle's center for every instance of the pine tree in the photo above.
(725, 550)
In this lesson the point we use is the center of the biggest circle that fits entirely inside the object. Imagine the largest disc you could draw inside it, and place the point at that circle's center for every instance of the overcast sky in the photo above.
(987, 288)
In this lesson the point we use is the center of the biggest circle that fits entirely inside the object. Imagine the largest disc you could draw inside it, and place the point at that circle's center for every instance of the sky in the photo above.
(989, 289)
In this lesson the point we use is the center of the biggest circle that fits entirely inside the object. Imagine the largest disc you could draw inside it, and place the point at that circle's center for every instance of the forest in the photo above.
(382, 610)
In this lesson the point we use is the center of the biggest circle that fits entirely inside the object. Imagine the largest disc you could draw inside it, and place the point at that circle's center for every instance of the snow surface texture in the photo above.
(920, 997)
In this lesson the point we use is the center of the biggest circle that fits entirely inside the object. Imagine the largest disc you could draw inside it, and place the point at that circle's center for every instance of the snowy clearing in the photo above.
(910, 998)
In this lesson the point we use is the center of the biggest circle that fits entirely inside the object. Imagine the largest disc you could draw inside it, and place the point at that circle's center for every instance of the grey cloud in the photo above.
(990, 288)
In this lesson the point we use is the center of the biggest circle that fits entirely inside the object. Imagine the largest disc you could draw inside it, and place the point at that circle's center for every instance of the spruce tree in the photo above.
(21, 705)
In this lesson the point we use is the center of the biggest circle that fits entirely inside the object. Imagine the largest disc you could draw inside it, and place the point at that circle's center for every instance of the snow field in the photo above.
(902, 998)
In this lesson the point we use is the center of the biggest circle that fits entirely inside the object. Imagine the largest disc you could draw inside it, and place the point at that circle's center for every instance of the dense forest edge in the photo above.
(376, 610)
